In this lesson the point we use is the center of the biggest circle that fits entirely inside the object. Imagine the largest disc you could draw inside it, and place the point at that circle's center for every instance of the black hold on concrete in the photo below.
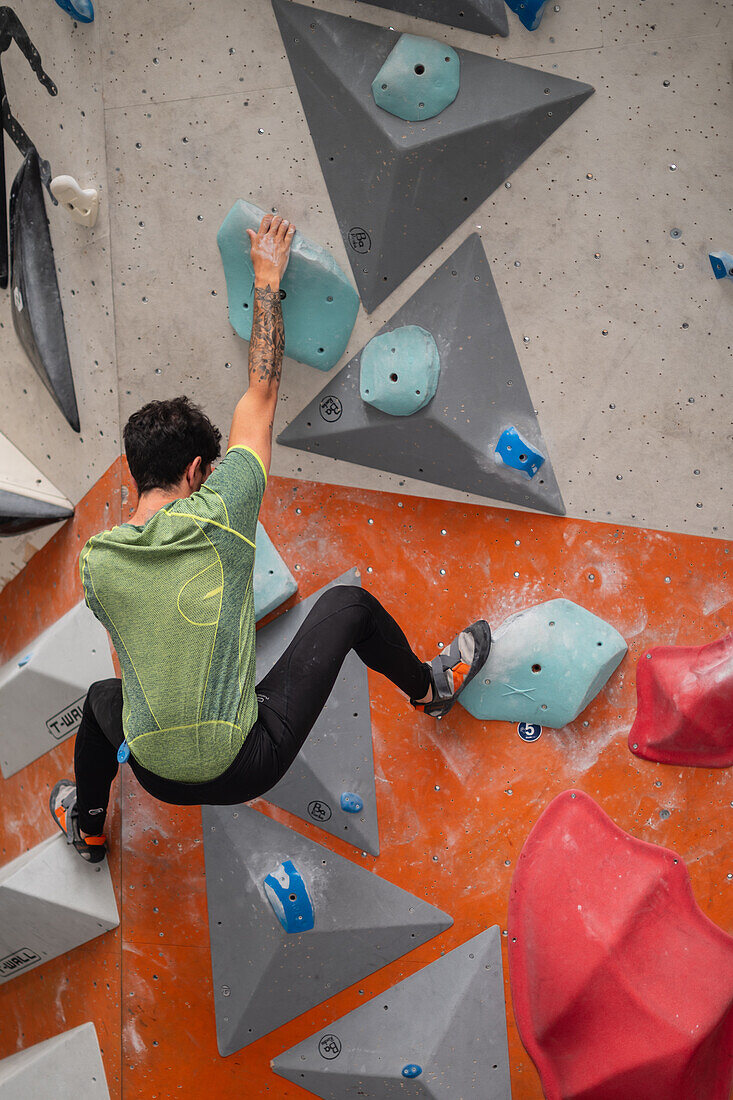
(19, 513)
(337, 757)
(400, 188)
(481, 16)
(480, 392)
(12, 30)
(38, 316)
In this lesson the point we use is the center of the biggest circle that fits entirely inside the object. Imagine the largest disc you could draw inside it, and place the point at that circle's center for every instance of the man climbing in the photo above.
(173, 586)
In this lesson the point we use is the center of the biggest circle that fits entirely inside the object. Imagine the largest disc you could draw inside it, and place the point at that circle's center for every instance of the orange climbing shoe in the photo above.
(62, 804)
(453, 669)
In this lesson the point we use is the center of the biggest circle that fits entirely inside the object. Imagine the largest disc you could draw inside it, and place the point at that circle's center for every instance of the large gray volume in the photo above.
(66, 1067)
(337, 757)
(481, 391)
(51, 901)
(400, 188)
(448, 1019)
(481, 16)
(264, 976)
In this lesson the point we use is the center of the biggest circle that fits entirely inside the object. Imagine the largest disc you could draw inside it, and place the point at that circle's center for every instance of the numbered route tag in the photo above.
(528, 731)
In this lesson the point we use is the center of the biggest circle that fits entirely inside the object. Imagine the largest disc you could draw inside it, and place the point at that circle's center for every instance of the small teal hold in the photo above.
(530, 12)
(273, 582)
(513, 450)
(400, 370)
(352, 803)
(288, 895)
(24, 660)
(722, 263)
(545, 666)
(419, 79)
(83, 10)
(319, 303)
(123, 753)
(411, 1070)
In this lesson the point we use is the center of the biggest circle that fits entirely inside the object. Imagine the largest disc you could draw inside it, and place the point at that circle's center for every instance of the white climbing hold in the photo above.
(83, 205)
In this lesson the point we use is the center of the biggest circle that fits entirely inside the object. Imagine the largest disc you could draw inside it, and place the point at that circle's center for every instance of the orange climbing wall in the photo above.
(456, 800)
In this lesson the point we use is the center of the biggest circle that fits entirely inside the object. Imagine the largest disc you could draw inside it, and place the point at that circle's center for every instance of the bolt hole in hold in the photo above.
(293, 897)
(419, 69)
(537, 668)
(552, 622)
(393, 377)
(321, 351)
(522, 458)
(330, 298)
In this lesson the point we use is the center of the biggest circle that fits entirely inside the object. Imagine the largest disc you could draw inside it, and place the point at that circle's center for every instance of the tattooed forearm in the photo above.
(268, 337)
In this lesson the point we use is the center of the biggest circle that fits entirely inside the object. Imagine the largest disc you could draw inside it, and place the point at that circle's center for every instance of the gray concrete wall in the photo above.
(628, 336)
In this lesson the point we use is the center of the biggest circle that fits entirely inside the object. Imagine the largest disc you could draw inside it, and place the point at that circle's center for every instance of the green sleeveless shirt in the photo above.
(176, 597)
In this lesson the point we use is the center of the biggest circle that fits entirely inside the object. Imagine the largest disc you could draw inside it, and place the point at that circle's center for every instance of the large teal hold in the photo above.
(319, 303)
(419, 79)
(545, 666)
(399, 370)
(273, 581)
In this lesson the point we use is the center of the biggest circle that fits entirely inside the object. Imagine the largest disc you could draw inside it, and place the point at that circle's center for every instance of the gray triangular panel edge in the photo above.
(337, 758)
(66, 1065)
(263, 976)
(479, 16)
(427, 176)
(481, 391)
(448, 1018)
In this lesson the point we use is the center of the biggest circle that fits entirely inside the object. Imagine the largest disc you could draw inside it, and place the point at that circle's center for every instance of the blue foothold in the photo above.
(722, 264)
(411, 1070)
(123, 753)
(351, 803)
(516, 452)
(288, 895)
(530, 12)
(24, 660)
(83, 10)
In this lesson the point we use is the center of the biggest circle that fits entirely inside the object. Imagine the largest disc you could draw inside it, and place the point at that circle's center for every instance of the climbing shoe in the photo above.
(453, 669)
(62, 804)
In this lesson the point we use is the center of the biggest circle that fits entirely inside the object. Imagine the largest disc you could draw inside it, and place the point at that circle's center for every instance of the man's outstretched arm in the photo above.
(255, 413)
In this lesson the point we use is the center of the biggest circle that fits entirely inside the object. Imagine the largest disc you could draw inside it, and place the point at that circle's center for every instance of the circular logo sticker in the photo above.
(329, 1046)
(330, 409)
(359, 240)
(18, 299)
(529, 732)
(319, 811)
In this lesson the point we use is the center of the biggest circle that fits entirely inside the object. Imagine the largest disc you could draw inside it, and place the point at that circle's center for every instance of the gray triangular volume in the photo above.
(337, 758)
(481, 392)
(440, 1033)
(264, 976)
(400, 188)
(51, 902)
(19, 513)
(65, 1066)
(481, 16)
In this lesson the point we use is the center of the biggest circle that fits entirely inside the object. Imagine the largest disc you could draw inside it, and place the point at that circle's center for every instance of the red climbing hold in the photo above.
(685, 705)
(622, 987)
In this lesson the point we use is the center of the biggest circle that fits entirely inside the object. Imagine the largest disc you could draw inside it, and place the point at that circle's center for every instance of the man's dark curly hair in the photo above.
(163, 438)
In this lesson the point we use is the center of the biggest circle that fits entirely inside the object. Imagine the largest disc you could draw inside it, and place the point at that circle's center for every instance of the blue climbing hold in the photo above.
(123, 753)
(351, 803)
(273, 582)
(400, 370)
(545, 666)
(722, 263)
(24, 660)
(83, 10)
(319, 303)
(530, 12)
(516, 452)
(411, 1070)
(288, 895)
(419, 79)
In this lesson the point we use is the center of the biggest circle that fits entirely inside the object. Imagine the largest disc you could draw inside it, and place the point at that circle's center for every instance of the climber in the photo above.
(173, 586)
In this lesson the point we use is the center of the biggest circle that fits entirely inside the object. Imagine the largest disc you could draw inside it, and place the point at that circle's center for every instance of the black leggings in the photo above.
(291, 697)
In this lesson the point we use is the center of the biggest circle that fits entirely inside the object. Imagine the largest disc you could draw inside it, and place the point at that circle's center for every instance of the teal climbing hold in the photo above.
(273, 581)
(546, 664)
(400, 370)
(419, 79)
(319, 303)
